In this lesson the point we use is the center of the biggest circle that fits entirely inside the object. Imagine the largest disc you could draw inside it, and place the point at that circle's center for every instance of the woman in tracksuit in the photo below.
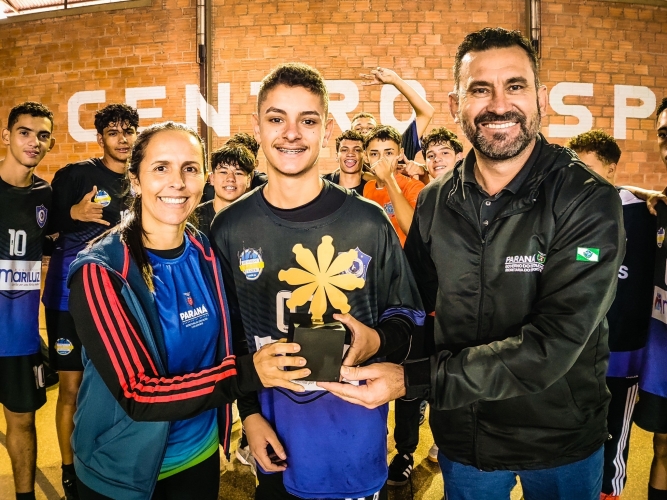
(159, 373)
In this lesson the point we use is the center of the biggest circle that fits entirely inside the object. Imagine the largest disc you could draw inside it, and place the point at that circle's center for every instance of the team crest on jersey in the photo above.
(64, 347)
(321, 278)
(40, 213)
(189, 299)
(661, 236)
(103, 198)
(389, 208)
(251, 263)
(359, 267)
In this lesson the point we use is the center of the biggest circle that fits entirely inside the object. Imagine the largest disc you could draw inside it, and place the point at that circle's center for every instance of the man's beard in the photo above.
(500, 147)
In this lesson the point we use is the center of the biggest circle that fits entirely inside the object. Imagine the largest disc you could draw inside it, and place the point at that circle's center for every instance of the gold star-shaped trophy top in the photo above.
(321, 278)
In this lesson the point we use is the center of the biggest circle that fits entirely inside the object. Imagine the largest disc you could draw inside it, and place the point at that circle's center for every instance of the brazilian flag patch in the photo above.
(588, 254)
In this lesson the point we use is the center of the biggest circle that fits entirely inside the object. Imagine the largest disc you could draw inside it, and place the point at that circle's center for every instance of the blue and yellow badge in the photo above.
(359, 266)
(103, 198)
(64, 347)
(661, 236)
(251, 263)
(41, 213)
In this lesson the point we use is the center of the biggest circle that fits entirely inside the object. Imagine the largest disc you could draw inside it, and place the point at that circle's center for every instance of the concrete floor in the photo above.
(237, 483)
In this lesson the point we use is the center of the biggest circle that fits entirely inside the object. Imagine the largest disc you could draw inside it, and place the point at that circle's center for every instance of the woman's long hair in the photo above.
(131, 230)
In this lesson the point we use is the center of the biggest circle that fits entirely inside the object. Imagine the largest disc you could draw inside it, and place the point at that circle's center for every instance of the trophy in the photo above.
(322, 343)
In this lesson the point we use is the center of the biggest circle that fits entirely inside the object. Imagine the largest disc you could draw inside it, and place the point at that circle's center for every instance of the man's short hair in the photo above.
(34, 109)
(294, 75)
(350, 135)
(383, 133)
(363, 114)
(235, 155)
(661, 107)
(116, 114)
(599, 142)
(441, 136)
(243, 139)
(494, 38)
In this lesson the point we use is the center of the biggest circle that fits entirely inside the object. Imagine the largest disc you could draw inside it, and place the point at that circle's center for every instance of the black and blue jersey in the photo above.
(629, 314)
(70, 184)
(24, 213)
(347, 258)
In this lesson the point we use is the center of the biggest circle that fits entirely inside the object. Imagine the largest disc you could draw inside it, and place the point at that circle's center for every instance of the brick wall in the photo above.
(596, 42)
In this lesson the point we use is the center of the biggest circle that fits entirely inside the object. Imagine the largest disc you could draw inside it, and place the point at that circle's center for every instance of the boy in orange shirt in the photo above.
(395, 193)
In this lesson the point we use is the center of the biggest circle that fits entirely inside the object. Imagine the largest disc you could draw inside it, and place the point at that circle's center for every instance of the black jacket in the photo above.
(518, 381)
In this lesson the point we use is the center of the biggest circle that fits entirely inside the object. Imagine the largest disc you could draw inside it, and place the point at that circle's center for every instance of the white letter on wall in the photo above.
(340, 109)
(558, 92)
(622, 111)
(132, 96)
(79, 133)
(218, 120)
(388, 95)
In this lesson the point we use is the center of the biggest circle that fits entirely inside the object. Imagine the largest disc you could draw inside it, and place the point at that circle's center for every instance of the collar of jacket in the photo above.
(550, 158)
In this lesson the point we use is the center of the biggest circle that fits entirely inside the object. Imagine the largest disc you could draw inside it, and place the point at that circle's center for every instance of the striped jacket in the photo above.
(127, 399)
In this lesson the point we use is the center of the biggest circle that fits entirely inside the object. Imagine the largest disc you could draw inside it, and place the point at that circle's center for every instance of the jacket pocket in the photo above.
(129, 453)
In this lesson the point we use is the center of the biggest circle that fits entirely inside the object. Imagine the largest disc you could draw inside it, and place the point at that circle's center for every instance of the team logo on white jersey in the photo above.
(661, 236)
(359, 267)
(251, 263)
(525, 263)
(20, 275)
(40, 213)
(103, 198)
(659, 304)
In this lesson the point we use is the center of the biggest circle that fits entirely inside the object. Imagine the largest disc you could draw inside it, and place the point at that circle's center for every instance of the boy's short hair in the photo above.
(116, 114)
(294, 75)
(383, 133)
(235, 155)
(599, 142)
(494, 38)
(363, 114)
(243, 139)
(34, 109)
(440, 136)
(350, 135)
(661, 107)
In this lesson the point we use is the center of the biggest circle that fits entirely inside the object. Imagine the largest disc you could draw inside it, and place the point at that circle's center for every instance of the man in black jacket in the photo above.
(517, 251)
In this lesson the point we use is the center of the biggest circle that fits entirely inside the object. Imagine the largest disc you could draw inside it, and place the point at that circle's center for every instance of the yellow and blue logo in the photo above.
(251, 263)
(64, 347)
(103, 198)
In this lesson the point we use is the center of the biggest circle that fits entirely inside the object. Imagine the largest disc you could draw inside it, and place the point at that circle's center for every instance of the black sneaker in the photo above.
(400, 469)
(69, 485)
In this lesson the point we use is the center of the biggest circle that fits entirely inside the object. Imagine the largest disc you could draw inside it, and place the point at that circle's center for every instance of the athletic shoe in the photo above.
(609, 496)
(244, 456)
(433, 453)
(400, 469)
(422, 412)
(69, 485)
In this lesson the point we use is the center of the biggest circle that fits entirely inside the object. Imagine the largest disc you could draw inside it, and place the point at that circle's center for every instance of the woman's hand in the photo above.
(270, 360)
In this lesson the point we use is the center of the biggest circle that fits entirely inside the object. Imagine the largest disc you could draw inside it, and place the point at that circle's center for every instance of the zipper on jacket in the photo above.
(474, 435)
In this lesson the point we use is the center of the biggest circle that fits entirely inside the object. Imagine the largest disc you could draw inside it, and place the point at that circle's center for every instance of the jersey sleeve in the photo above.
(397, 291)
(116, 346)
(410, 141)
(249, 403)
(66, 193)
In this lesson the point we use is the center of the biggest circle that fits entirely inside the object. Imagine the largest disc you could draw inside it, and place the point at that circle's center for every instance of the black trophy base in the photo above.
(322, 346)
